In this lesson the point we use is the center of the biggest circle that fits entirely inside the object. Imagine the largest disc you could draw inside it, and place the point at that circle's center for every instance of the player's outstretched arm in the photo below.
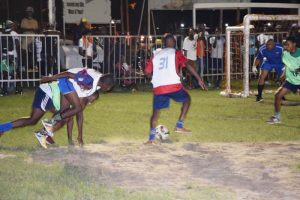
(196, 75)
(47, 79)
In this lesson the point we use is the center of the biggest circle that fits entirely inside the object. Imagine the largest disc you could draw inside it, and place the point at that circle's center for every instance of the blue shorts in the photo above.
(42, 100)
(269, 67)
(291, 86)
(163, 100)
(65, 86)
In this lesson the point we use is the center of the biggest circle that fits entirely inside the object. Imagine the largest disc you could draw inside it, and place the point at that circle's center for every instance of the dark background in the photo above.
(166, 21)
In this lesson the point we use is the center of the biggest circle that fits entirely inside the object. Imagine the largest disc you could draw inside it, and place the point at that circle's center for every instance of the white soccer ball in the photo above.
(162, 132)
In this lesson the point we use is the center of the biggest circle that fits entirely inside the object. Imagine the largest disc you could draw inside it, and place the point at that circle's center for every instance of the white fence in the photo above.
(26, 58)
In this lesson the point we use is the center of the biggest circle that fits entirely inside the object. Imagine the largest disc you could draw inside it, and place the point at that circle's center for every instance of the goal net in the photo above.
(255, 31)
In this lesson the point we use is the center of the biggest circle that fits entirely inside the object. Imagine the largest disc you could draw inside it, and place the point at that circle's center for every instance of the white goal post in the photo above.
(246, 25)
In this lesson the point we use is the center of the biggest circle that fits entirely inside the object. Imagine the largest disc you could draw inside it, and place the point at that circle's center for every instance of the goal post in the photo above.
(246, 24)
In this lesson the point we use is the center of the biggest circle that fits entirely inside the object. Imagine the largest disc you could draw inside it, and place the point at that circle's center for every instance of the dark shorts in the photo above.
(269, 67)
(291, 86)
(65, 86)
(163, 100)
(42, 100)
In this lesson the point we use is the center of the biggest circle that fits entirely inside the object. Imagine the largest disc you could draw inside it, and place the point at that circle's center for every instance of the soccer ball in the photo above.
(162, 132)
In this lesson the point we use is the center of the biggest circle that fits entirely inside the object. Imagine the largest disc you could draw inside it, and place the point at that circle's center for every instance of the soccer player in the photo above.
(269, 58)
(43, 100)
(291, 60)
(165, 67)
(42, 135)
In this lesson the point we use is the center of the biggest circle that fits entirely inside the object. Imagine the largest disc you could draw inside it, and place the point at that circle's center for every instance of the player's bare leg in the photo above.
(281, 92)
(153, 121)
(184, 110)
(261, 83)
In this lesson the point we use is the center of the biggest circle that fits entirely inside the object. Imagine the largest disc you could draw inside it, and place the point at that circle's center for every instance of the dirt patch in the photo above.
(248, 171)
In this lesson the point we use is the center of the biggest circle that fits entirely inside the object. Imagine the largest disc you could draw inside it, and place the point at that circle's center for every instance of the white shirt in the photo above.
(263, 39)
(14, 38)
(85, 93)
(191, 48)
(218, 51)
(88, 47)
(164, 68)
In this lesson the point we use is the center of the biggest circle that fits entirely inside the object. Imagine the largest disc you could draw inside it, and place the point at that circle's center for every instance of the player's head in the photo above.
(93, 97)
(192, 32)
(270, 44)
(106, 82)
(290, 44)
(170, 41)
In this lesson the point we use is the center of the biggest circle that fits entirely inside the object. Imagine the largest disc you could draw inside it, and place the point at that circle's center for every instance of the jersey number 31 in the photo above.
(163, 63)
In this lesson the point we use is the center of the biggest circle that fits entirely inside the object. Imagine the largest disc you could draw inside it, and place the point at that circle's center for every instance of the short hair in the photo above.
(169, 36)
(108, 80)
(291, 39)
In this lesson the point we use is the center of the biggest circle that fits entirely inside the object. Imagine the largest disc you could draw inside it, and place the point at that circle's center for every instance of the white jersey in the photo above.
(164, 68)
(94, 74)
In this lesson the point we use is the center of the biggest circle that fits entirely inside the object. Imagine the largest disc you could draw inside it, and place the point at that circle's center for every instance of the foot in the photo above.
(259, 99)
(49, 126)
(182, 130)
(41, 138)
(273, 120)
(49, 140)
(150, 142)
(80, 142)
(71, 143)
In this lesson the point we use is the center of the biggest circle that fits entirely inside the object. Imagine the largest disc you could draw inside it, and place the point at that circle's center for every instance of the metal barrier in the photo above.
(25, 58)
(123, 56)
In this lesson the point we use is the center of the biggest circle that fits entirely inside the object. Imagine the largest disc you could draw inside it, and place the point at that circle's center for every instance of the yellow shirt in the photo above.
(29, 24)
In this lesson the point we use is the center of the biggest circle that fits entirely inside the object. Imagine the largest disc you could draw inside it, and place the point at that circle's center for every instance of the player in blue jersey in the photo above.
(268, 57)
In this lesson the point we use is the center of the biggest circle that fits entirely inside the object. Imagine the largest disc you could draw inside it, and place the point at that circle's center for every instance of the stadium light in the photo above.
(226, 24)
(182, 25)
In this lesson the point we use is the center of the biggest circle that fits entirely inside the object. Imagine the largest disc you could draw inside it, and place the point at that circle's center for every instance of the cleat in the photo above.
(182, 130)
(259, 99)
(49, 126)
(274, 120)
(41, 138)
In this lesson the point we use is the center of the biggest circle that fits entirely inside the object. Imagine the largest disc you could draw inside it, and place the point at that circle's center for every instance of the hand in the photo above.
(254, 69)
(282, 78)
(202, 85)
(46, 79)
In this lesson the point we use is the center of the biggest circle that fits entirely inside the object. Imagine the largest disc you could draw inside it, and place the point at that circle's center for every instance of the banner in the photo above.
(184, 4)
(96, 11)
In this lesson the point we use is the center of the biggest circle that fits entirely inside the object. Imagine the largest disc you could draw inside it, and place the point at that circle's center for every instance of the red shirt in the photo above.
(180, 63)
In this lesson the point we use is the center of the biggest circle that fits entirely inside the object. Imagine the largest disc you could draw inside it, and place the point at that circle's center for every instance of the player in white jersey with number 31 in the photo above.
(165, 67)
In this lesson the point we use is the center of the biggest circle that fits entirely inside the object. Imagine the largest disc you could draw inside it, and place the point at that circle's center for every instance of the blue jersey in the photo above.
(273, 56)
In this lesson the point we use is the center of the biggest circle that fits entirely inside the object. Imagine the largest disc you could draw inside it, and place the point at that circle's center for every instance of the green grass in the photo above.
(125, 116)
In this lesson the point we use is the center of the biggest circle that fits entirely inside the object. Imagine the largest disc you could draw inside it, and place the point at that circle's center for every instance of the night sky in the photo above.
(167, 21)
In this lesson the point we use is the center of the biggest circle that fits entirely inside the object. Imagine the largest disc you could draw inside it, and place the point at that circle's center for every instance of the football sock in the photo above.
(260, 90)
(152, 134)
(179, 124)
(6, 126)
(277, 115)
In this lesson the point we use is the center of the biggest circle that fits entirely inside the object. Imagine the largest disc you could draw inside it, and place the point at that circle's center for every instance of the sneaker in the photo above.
(259, 99)
(182, 130)
(274, 120)
(49, 126)
(41, 138)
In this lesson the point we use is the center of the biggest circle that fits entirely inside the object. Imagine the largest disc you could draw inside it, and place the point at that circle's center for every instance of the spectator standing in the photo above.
(9, 58)
(217, 55)
(190, 51)
(87, 49)
(201, 53)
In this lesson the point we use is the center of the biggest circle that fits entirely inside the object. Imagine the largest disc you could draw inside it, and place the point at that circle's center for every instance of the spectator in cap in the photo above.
(80, 30)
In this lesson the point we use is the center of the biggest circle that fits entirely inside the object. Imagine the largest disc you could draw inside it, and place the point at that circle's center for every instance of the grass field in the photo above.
(124, 117)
